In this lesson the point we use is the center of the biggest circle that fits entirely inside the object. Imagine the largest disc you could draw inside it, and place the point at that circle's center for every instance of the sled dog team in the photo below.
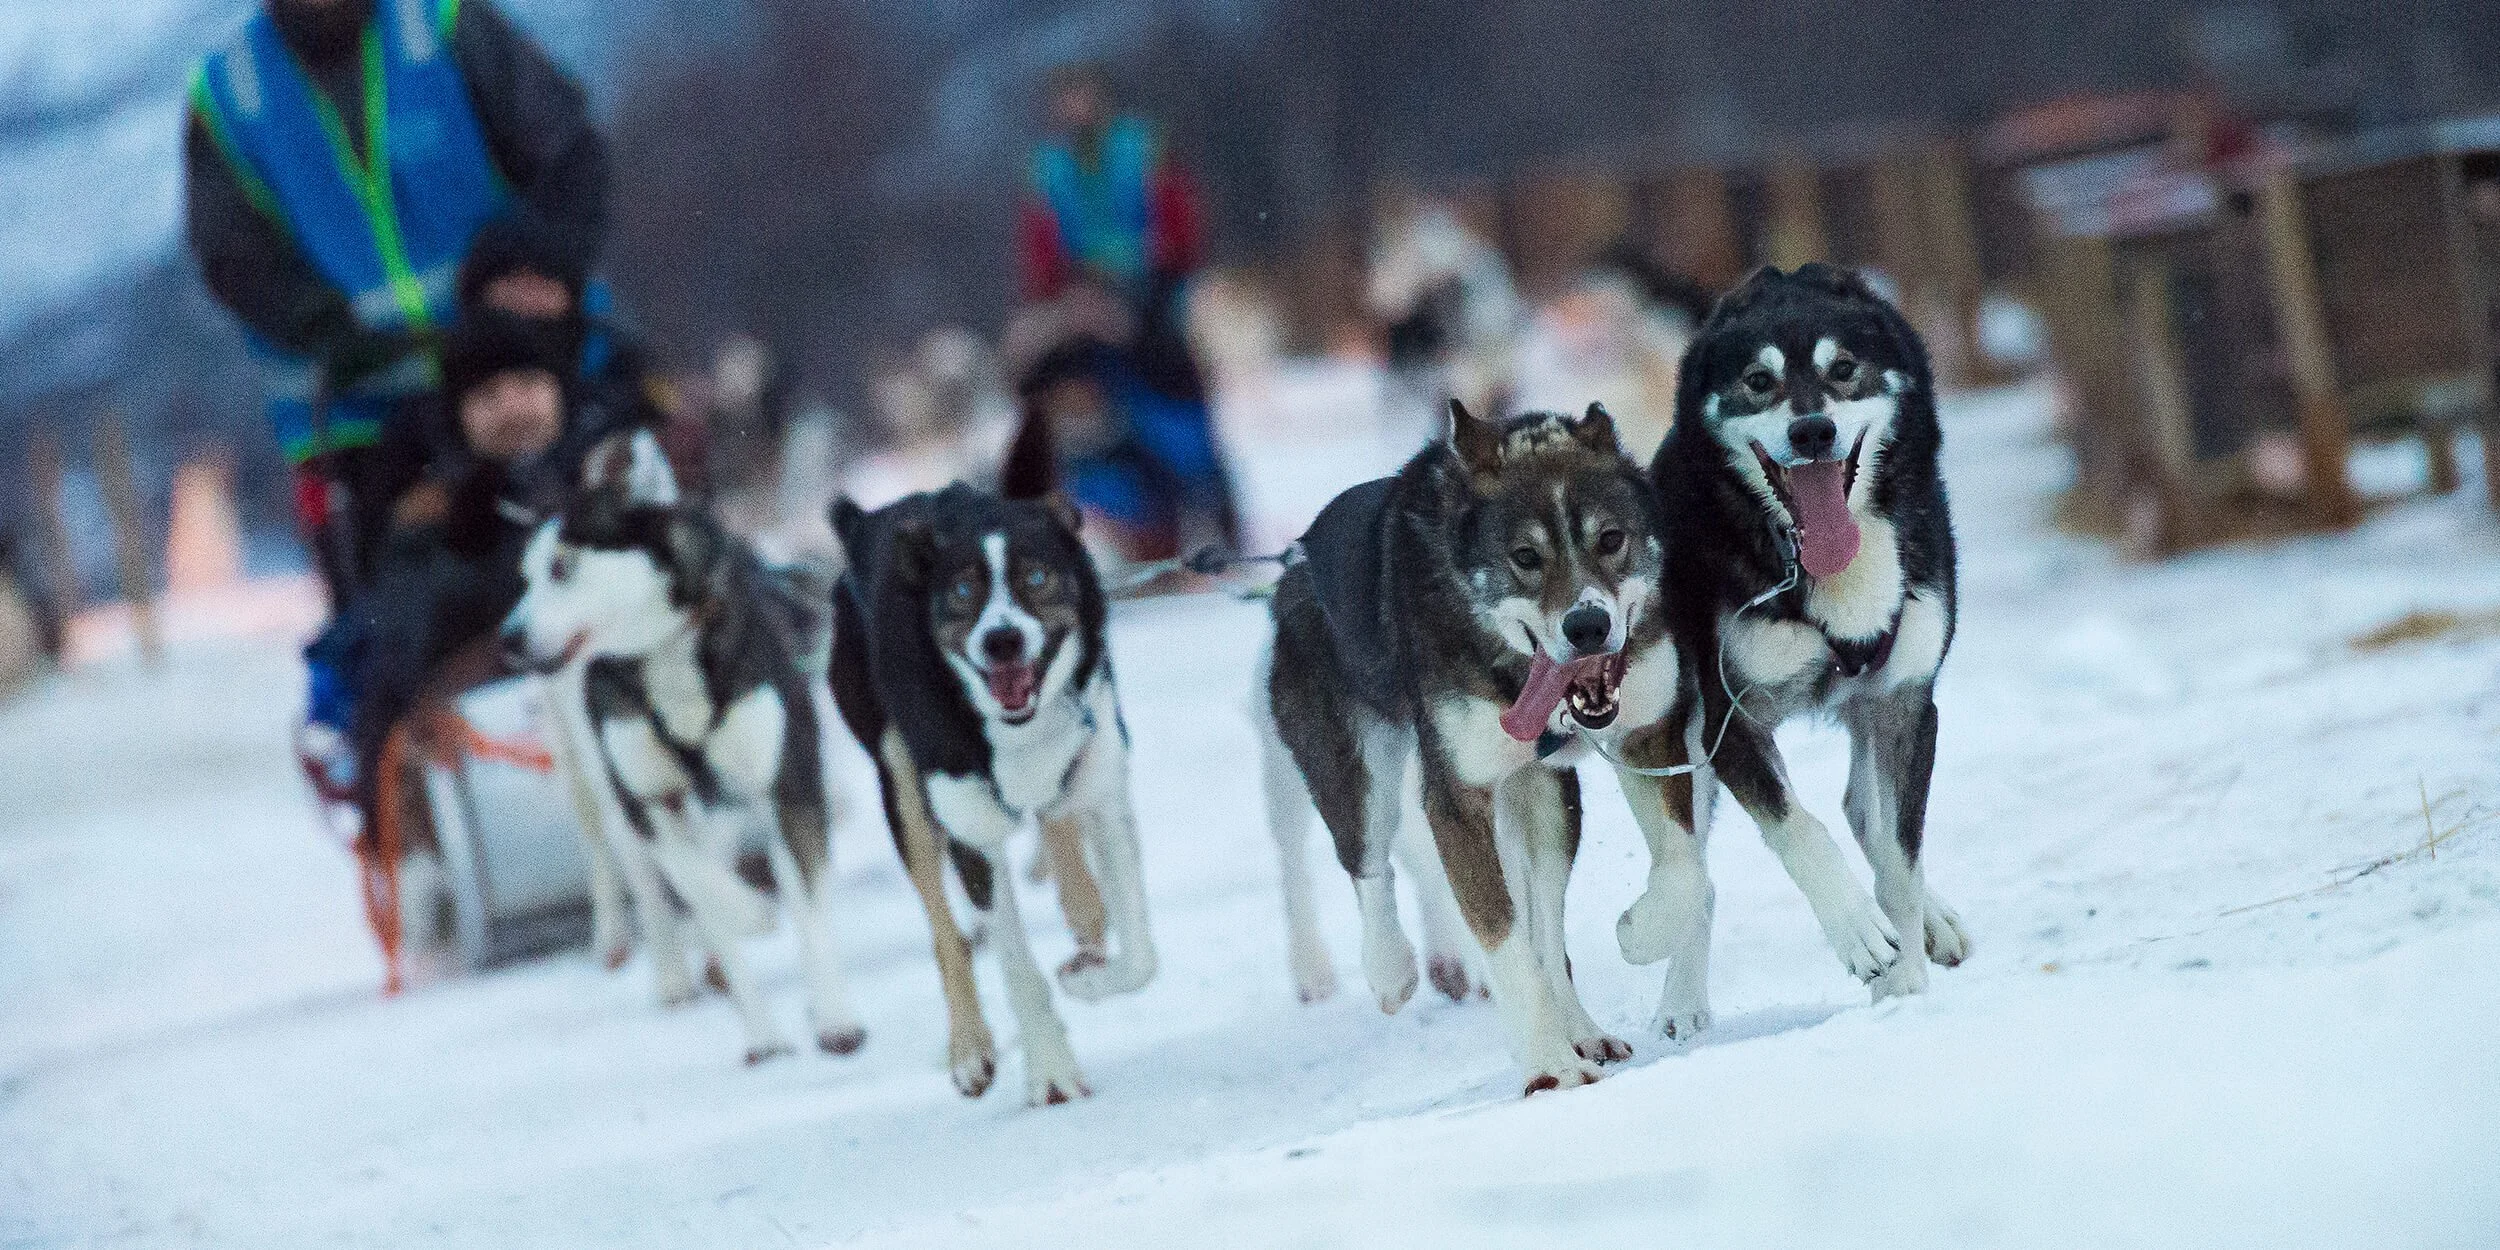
(1518, 599)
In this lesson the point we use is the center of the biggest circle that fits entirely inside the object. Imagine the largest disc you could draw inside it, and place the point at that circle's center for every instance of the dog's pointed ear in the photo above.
(1063, 512)
(912, 552)
(648, 478)
(609, 464)
(1596, 431)
(846, 517)
(1477, 442)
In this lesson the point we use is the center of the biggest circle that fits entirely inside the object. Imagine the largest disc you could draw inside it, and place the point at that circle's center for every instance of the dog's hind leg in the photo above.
(1446, 940)
(1289, 814)
(1549, 828)
(1388, 957)
(1099, 793)
(1749, 764)
(971, 1056)
(797, 851)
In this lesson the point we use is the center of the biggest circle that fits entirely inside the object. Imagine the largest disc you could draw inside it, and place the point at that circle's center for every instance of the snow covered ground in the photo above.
(2177, 1029)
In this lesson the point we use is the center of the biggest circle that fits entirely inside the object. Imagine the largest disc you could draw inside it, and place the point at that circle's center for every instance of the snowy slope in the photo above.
(2132, 757)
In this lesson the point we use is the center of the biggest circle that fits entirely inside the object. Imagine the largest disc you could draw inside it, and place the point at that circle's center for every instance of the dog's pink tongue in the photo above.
(1012, 685)
(1535, 706)
(1827, 536)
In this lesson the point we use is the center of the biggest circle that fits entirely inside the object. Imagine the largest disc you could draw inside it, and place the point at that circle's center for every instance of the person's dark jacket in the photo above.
(538, 133)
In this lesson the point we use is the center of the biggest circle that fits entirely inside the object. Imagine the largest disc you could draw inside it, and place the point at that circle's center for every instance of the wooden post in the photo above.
(1796, 215)
(120, 489)
(2482, 321)
(1695, 231)
(2325, 428)
(1953, 250)
(43, 467)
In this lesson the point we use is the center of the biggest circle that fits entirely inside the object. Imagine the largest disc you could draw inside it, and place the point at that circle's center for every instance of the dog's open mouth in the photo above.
(1816, 494)
(1588, 687)
(1013, 686)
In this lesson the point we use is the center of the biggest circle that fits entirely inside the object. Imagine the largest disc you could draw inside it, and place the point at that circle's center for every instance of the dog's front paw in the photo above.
(1390, 968)
(671, 986)
(1314, 976)
(1564, 1070)
(1602, 1048)
(973, 1063)
(1948, 943)
(767, 1051)
(615, 954)
(1091, 978)
(715, 977)
(841, 1039)
(1680, 1024)
(1449, 975)
(1051, 1077)
(1863, 938)
(1907, 977)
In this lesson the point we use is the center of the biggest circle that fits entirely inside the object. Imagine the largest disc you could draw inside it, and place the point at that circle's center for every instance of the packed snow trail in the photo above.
(2177, 1028)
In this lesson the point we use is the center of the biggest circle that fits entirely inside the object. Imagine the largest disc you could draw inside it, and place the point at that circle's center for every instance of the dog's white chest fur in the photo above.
(1031, 765)
(1859, 602)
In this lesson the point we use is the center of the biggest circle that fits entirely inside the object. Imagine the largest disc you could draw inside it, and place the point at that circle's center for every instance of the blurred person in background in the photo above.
(343, 159)
(1107, 238)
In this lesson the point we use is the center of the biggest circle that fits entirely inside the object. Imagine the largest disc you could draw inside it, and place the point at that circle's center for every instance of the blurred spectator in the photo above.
(1108, 237)
(333, 225)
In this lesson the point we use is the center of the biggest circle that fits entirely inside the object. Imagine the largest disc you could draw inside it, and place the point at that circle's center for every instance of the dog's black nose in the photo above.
(1586, 627)
(1812, 437)
(1002, 646)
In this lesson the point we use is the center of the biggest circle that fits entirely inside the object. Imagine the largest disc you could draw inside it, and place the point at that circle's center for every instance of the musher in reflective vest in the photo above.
(1110, 208)
(343, 159)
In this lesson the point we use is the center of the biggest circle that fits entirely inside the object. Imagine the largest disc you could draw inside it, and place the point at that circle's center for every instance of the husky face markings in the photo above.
(1002, 612)
(1561, 550)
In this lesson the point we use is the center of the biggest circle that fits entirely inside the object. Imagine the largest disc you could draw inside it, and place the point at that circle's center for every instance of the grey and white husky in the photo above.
(1813, 564)
(1492, 612)
(698, 693)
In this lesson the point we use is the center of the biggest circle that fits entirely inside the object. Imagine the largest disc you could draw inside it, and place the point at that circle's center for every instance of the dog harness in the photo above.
(388, 226)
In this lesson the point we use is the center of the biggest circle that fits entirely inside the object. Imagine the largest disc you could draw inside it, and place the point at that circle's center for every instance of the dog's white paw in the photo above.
(1948, 943)
(1314, 975)
(1090, 977)
(972, 1063)
(1680, 1023)
(1051, 1076)
(1564, 1069)
(1449, 975)
(671, 986)
(1907, 977)
(1862, 937)
(1601, 1047)
(842, 1038)
(1389, 965)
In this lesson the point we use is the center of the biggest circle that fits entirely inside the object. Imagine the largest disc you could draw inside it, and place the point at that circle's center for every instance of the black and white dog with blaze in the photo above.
(698, 693)
(969, 661)
(1494, 612)
(1812, 560)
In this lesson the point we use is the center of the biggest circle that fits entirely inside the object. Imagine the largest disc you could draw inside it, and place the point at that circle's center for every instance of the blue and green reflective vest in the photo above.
(389, 232)
(1103, 214)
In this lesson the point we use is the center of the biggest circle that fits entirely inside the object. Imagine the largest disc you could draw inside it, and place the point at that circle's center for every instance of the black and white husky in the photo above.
(969, 662)
(697, 694)
(1812, 557)
(1494, 612)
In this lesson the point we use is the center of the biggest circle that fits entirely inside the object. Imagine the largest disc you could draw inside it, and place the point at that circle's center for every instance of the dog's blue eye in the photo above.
(965, 590)
(1037, 577)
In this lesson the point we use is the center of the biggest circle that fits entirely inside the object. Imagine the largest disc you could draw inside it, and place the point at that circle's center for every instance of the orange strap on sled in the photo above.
(377, 854)
(517, 752)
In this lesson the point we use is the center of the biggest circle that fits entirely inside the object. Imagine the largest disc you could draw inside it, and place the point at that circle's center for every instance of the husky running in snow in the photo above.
(1813, 565)
(969, 661)
(697, 692)
(1493, 611)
